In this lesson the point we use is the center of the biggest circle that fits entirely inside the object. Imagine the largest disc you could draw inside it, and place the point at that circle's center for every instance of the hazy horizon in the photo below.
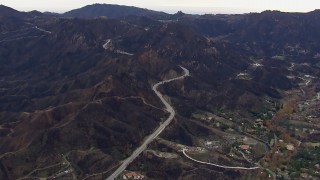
(200, 7)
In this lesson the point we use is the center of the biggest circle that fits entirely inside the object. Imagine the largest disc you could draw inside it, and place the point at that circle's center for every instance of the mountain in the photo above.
(7, 11)
(110, 11)
(76, 94)
(51, 13)
(36, 13)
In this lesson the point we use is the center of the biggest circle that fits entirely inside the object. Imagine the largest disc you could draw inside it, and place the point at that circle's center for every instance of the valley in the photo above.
(96, 93)
(156, 133)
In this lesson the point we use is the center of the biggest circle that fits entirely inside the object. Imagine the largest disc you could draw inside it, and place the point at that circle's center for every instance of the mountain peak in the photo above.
(35, 13)
(8, 11)
(316, 11)
(179, 13)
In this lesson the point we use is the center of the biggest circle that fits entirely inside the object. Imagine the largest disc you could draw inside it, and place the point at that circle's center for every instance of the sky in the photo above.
(172, 6)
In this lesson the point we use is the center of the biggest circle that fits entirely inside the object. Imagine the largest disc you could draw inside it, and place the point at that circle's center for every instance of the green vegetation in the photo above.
(264, 114)
(200, 156)
(306, 158)
(261, 147)
(224, 127)
(198, 115)
(225, 114)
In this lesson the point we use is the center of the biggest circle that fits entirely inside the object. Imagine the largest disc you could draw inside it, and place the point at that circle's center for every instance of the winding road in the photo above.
(217, 165)
(158, 131)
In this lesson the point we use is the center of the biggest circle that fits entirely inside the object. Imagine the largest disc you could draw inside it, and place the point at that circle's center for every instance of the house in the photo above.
(211, 144)
(290, 147)
(244, 147)
(251, 130)
(132, 175)
(259, 120)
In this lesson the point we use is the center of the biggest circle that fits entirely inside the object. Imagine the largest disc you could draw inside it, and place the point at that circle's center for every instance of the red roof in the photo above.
(251, 130)
(131, 174)
(134, 175)
(245, 147)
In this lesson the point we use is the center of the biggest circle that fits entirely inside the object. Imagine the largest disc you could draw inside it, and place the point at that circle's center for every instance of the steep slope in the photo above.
(268, 33)
(63, 92)
(75, 94)
(63, 86)
(7, 11)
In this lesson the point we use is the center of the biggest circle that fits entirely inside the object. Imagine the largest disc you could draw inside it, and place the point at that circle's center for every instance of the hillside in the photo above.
(7, 11)
(76, 96)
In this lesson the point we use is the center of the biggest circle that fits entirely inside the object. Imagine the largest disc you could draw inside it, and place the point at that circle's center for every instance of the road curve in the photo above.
(158, 131)
(217, 165)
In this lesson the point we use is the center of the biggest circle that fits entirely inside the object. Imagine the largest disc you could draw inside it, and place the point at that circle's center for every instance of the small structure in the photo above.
(211, 144)
(208, 143)
(251, 130)
(257, 65)
(244, 147)
(132, 175)
(259, 120)
(218, 124)
(290, 147)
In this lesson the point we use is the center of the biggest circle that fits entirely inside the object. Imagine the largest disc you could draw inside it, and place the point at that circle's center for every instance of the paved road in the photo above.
(156, 133)
(217, 165)
(43, 30)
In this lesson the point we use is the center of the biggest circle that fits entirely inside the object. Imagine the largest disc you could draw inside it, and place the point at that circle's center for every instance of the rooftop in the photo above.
(244, 147)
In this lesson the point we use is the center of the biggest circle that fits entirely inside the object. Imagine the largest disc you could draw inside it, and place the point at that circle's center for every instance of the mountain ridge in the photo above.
(8, 11)
(110, 11)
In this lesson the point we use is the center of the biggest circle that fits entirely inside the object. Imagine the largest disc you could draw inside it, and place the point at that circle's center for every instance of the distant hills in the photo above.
(90, 11)
(111, 11)
(10, 12)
